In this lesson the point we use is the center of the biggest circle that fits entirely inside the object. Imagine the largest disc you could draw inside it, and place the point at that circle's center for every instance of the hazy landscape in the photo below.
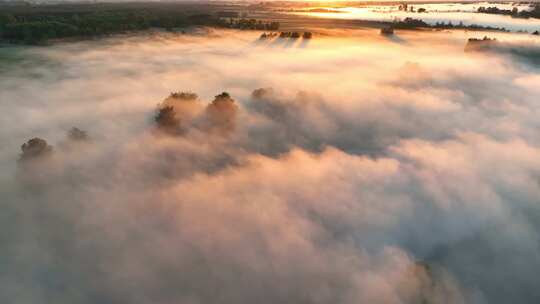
(181, 153)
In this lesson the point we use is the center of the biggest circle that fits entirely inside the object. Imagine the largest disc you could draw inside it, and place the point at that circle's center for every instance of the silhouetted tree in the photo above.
(221, 114)
(261, 93)
(184, 95)
(77, 134)
(177, 111)
(35, 148)
(36, 27)
(166, 119)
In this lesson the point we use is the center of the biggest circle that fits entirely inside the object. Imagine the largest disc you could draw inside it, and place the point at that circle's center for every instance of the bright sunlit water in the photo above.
(437, 12)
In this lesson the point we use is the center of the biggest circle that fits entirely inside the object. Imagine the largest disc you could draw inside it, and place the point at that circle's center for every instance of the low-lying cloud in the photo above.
(354, 169)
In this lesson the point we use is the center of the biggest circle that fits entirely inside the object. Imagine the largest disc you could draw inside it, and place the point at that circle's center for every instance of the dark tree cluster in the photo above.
(262, 93)
(412, 23)
(184, 95)
(498, 11)
(268, 36)
(409, 23)
(514, 12)
(35, 148)
(249, 24)
(387, 31)
(221, 114)
(460, 25)
(293, 35)
(534, 13)
(475, 44)
(76, 134)
(40, 27)
(296, 35)
(175, 113)
(166, 119)
(409, 8)
(180, 111)
(38, 148)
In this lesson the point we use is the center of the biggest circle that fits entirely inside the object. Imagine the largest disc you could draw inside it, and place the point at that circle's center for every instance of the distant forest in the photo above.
(38, 25)
(534, 13)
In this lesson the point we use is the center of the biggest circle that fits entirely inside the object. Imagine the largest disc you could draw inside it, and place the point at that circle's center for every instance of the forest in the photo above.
(40, 25)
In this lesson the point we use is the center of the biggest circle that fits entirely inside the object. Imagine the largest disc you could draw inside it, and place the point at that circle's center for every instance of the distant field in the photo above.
(41, 24)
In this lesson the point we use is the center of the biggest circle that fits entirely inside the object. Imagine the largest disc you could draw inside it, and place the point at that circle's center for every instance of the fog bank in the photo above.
(349, 168)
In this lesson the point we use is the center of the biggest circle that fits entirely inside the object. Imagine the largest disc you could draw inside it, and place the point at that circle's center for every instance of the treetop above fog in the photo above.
(35, 148)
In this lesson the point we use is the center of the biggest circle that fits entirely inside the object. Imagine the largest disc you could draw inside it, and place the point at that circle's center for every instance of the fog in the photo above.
(455, 13)
(349, 168)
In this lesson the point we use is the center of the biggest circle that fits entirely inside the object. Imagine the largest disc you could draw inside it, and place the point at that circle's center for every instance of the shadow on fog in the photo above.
(279, 42)
(396, 39)
(304, 43)
(259, 42)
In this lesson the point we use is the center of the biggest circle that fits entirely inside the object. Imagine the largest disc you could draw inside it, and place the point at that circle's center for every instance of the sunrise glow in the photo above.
(199, 152)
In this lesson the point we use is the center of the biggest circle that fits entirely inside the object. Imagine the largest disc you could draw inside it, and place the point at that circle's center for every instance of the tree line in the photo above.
(514, 12)
(249, 24)
(41, 27)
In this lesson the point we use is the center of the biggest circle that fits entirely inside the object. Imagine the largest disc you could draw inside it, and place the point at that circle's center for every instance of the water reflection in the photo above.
(455, 13)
